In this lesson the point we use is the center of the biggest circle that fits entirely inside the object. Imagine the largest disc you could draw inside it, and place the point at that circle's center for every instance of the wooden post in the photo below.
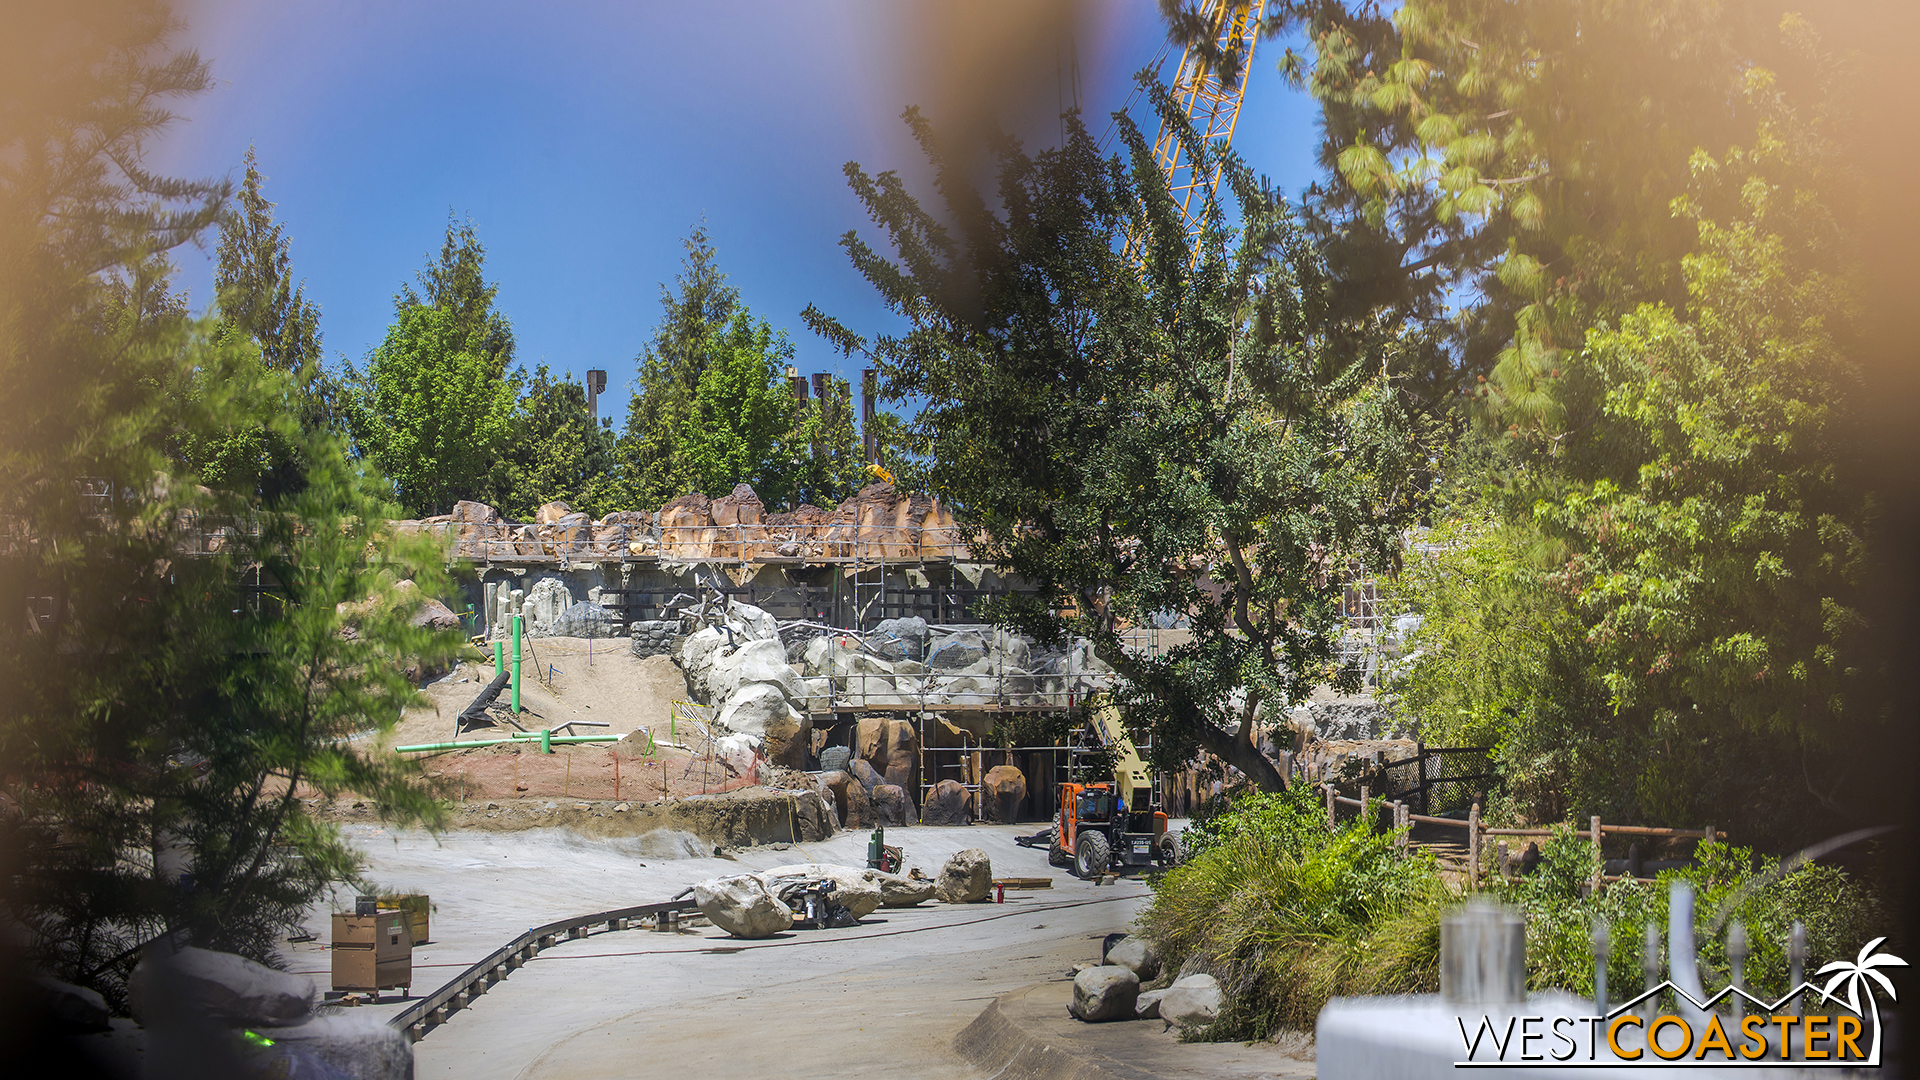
(1400, 820)
(1365, 806)
(1333, 811)
(1473, 845)
(1709, 834)
(616, 769)
(1594, 824)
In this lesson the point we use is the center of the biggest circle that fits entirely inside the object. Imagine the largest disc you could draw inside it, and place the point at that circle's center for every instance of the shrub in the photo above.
(1287, 914)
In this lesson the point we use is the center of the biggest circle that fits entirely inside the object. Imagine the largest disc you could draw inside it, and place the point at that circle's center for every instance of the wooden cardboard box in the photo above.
(372, 952)
(416, 905)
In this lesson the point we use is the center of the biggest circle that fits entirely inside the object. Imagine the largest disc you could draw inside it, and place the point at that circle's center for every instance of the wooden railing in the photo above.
(1404, 819)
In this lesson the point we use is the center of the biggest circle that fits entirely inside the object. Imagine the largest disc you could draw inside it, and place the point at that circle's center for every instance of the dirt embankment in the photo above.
(734, 819)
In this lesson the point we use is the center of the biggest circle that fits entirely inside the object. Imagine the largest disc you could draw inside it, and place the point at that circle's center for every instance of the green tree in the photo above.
(557, 452)
(258, 302)
(740, 410)
(162, 718)
(669, 378)
(436, 405)
(1133, 440)
(258, 297)
(1672, 539)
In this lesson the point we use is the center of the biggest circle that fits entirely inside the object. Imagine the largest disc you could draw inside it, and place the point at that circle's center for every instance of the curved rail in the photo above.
(434, 1009)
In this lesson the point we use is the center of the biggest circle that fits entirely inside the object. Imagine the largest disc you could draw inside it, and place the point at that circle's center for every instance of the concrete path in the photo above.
(886, 998)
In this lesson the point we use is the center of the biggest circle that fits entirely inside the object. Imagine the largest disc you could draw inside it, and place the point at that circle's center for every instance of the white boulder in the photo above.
(742, 905)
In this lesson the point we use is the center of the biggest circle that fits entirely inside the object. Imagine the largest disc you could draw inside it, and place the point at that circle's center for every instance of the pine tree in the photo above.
(258, 297)
(436, 405)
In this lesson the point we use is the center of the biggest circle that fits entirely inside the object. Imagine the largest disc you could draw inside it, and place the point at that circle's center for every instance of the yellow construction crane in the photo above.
(1211, 106)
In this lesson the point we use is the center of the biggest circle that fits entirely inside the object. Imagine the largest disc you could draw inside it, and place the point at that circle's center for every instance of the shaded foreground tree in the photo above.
(1174, 436)
(161, 714)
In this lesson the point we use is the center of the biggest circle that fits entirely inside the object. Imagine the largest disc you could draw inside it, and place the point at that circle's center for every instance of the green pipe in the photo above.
(549, 741)
(499, 657)
(516, 665)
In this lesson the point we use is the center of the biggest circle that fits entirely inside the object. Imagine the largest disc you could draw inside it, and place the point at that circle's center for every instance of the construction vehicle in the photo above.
(1091, 834)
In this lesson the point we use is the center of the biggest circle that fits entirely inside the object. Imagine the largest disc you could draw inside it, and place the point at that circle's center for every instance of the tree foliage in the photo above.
(436, 405)
(161, 714)
(1179, 435)
(556, 452)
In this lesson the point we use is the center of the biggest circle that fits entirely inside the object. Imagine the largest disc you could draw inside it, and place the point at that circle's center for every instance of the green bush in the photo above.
(1287, 914)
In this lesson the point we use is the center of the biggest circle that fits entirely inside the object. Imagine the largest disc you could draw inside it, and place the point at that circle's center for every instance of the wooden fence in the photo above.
(1404, 819)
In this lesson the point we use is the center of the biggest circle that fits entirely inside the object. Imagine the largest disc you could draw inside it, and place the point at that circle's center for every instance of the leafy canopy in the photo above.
(1184, 437)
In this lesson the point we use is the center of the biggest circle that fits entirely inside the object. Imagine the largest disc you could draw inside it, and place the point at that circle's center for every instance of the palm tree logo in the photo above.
(1855, 976)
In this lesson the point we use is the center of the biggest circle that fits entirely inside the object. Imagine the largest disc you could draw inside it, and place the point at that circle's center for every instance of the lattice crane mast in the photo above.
(1211, 106)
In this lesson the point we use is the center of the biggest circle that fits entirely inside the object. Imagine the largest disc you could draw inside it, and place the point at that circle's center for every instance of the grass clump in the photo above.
(1285, 914)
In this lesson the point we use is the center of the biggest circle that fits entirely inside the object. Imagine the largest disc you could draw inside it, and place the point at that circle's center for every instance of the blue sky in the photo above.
(585, 140)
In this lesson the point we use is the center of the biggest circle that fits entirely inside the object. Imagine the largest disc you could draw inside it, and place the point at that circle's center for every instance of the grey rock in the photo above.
(897, 890)
(353, 1043)
(853, 888)
(1137, 955)
(1104, 993)
(74, 1010)
(835, 758)
(760, 710)
(217, 986)
(585, 619)
(759, 661)
(742, 905)
(1192, 1002)
(967, 878)
(900, 639)
(959, 651)
(1147, 1005)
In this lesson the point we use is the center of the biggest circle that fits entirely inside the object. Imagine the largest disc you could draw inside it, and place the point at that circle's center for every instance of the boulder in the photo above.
(1002, 791)
(1137, 955)
(1147, 1005)
(694, 654)
(742, 905)
(890, 805)
(902, 753)
(852, 889)
(870, 740)
(900, 639)
(962, 650)
(742, 507)
(761, 711)
(1108, 992)
(354, 1043)
(69, 1009)
(685, 524)
(897, 890)
(759, 661)
(1192, 1002)
(435, 615)
(217, 986)
(946, 804)
(866, 775)
(474, 513)
(585, 619)
(632, 519)
(835, 783)
(546, 605)
(967, 878)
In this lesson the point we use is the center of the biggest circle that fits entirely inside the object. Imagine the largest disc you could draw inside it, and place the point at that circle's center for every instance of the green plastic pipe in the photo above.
(516, 665)
(551, 740)
(499, 657)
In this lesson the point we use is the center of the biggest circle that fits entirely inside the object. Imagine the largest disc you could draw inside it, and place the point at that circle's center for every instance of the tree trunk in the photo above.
(1239, 752)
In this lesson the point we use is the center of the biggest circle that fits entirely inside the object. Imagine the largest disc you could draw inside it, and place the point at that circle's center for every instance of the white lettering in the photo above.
(1527, 1035)
(1572, 1046)
(1490, 1032)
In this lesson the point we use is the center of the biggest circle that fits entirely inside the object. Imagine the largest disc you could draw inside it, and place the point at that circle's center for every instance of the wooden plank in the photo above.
(1024, 882)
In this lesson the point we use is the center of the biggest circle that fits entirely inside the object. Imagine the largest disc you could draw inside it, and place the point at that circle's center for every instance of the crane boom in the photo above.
(1211, 106)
